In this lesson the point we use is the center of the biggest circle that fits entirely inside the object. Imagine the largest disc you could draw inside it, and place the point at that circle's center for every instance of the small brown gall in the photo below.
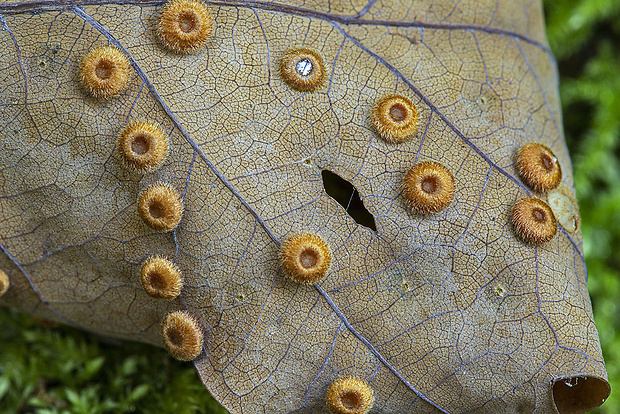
(182, 335)
(4, 282)
(538, 167)
(160, 207)
(105, 72)
(429, 187)
(185, 25)
(533, 220)
(302, 70)
(305, 257)
(349, 395)
(395, 118)
(143, 146)
(161, 278)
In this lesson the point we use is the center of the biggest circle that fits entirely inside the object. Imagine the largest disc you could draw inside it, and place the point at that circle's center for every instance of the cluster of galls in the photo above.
(532, 218)
(185, 26)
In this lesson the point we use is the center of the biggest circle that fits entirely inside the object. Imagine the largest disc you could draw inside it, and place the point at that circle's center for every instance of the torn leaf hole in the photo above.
(348, 197)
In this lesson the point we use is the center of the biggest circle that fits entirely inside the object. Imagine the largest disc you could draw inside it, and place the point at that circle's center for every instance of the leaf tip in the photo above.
(578, 394)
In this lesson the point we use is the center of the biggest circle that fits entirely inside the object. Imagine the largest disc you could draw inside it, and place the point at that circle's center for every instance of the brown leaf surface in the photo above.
(447, 312)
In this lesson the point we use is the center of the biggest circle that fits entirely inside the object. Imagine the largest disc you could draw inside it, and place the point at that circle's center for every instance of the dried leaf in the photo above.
(447, 311)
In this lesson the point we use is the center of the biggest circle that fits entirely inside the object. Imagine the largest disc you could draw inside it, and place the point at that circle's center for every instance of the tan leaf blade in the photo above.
(447, 311)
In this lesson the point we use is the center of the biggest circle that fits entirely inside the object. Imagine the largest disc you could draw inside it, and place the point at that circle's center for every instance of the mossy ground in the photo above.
(47, 370)
(62, 370)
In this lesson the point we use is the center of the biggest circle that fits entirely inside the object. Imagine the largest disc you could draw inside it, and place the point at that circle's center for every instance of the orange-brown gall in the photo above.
(349, 395)
(160, 207)
(395, 118)
(429, 187)
(143, 146)
(302, 70)
(182, 335)
(185, 25)
(105, 72)
(305, 257)
(161, 278)
(538, 167)
(533, 220)
(4, 282)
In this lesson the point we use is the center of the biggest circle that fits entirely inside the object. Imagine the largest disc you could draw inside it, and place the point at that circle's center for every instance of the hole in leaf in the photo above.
(348, 197)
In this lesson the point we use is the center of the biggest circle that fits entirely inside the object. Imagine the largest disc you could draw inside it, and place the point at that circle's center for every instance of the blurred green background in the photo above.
(61, 370)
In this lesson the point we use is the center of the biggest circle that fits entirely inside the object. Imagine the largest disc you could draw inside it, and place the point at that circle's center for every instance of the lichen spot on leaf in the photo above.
(143, 146)
(538, 167)
(565, 208)
(182, 335)
(429, 187)
(305, 257)
(185, 25)
(302, 70)
(349, 395)
(4, 282)
(533, 220)
(395, 118)
(105, 72)
(161, 278)
(160, 207)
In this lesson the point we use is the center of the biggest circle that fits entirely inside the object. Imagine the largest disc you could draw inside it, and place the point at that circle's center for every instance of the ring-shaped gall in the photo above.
(160, 207)
(533, 220)
(538, 167)
(105, 72)
(305, 257)
(395, 118)
(429, 187)
(143, 146)
(185, 25)
(302, 69)
(161, 279)
(349, 395)
(182, 335)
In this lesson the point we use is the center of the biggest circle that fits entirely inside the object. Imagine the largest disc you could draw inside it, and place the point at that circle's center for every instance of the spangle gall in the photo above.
(160, 207)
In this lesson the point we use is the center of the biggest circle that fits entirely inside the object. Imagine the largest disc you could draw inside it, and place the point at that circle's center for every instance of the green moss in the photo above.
(78, 373)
